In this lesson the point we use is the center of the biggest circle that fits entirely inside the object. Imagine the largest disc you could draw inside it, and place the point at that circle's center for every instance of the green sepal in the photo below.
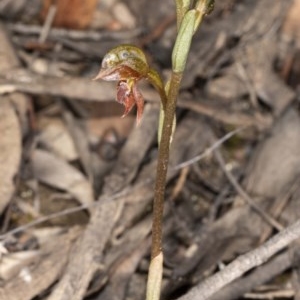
(183, 41)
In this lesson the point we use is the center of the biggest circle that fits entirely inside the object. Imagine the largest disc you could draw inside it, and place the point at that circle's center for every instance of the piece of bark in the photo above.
(258, 277)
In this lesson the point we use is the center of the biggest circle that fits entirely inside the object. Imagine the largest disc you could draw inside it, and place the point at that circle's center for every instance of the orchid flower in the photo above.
(128, 65)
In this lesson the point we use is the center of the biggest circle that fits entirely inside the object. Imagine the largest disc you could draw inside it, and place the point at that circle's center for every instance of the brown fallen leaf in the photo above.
(57, 173)
(10, 150)
(76, 14)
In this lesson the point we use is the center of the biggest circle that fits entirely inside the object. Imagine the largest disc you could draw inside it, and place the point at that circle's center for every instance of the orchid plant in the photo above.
(127, 64)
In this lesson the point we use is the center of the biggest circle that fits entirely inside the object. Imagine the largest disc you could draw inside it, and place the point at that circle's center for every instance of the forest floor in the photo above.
(76, 185)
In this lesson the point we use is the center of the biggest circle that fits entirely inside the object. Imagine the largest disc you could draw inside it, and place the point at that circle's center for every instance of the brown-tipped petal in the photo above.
(139, 100)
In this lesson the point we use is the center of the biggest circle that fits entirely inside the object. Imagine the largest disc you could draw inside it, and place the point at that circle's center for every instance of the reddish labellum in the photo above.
(130, 96)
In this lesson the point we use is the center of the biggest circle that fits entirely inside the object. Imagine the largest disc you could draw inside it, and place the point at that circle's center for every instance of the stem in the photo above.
(189, 23)
(162, 165)
(157, 82)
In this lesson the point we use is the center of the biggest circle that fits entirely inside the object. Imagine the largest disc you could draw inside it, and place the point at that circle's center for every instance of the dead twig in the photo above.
(244, 263)
(279, 204)
(210, 149)
(75, 34)
(270, 220)
(281, 294)
(47, 24)
(180, 183)
(263, 274)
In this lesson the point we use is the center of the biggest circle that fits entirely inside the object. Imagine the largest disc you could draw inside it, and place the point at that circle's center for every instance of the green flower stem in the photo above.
(155, 79)
(162, 164)
(156, 265)
(188, 22)
(179, 60)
